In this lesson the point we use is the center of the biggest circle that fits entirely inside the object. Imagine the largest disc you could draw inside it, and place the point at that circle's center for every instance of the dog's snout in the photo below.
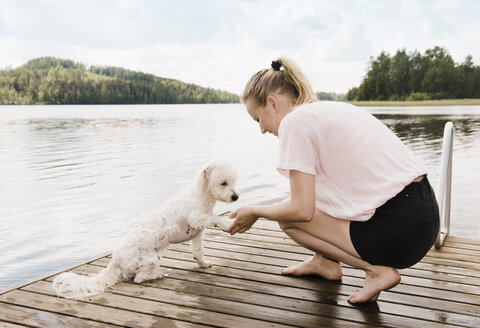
(234, 197)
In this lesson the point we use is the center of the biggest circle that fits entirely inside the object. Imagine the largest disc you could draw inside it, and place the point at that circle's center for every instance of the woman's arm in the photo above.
(299, 208)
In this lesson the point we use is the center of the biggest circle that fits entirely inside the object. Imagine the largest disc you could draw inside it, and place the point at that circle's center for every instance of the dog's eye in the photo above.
(224, 183)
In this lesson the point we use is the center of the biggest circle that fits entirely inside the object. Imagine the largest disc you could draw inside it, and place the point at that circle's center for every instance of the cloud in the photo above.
(220, 43)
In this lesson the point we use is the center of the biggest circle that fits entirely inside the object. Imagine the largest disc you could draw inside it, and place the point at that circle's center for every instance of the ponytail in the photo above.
(289, 81)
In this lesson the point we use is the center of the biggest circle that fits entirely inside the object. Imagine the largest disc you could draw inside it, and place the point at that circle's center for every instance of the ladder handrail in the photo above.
(445, 186)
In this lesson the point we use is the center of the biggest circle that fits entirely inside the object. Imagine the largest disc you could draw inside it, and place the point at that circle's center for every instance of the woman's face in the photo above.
(270, 115)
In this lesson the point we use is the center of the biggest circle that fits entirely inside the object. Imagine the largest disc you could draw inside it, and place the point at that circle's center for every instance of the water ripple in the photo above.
(73, 179)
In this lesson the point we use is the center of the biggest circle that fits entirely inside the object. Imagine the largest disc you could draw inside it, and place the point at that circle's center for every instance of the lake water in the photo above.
(73, 179)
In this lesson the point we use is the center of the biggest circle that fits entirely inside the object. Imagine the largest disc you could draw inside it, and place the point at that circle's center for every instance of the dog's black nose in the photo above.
(234, 197)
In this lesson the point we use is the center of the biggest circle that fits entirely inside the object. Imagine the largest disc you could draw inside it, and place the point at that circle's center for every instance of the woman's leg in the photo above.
(330, 239)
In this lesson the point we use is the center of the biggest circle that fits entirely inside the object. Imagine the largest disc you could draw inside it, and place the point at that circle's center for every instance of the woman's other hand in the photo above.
(244, 219)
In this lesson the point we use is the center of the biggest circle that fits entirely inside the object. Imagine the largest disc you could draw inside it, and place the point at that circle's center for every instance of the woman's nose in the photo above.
(263, 130)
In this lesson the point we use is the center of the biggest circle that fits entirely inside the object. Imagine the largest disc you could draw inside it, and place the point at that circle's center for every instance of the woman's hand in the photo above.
(244, 219)
(299, 208)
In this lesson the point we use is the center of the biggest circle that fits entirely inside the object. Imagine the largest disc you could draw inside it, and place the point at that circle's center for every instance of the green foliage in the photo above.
(377, 83)
(414, 76)
(352, 94)
(51, 80)
(418, 96)
(330, 96)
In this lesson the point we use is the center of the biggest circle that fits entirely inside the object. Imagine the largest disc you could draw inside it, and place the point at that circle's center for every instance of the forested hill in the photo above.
(413, 76)
(51, 80)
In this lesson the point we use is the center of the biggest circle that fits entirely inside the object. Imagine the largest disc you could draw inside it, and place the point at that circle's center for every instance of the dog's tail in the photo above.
(73, 286)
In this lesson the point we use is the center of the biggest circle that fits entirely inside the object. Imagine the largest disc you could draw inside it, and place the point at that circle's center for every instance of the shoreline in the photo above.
(441, 102)
(366, 103)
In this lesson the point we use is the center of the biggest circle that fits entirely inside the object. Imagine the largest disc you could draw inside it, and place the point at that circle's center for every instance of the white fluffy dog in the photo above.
(180, 219)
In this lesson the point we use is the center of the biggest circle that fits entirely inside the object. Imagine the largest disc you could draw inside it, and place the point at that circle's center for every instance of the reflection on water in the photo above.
(425, 133)
(74, 178)
(422, 130)
(429, 128)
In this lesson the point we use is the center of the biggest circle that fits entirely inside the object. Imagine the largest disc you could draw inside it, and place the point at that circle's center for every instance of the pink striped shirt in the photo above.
(357, 161)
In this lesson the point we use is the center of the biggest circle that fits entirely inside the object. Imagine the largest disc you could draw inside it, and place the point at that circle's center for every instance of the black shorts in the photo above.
(402, 230)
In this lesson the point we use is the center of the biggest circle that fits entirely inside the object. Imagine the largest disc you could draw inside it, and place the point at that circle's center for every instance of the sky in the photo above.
(221, 43)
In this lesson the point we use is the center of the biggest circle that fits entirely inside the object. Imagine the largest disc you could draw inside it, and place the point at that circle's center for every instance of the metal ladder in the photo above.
(445, 187)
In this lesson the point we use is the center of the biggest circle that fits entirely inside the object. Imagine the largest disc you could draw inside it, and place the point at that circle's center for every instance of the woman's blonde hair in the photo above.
(289, 80)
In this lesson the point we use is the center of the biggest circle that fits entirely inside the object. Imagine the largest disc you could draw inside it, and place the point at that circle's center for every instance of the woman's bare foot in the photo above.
(318, 265)
(378, 279)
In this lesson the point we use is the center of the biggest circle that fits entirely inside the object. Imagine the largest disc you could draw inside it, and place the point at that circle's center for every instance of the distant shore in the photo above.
(441, 102)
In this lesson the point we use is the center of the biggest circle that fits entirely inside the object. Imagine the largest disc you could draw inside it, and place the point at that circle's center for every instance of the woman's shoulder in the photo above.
(322, 110)
(304, 116)
(326, 106)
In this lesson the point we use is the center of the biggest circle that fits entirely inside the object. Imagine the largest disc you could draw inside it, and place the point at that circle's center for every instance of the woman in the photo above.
(358, 194)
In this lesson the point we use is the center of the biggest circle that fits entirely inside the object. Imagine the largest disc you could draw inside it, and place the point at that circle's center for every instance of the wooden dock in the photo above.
(245, 289)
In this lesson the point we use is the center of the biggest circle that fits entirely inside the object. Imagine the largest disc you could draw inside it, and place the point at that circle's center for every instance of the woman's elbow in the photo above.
(306, 214)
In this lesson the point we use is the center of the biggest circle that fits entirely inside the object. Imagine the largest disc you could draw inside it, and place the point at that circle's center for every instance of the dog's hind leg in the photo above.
(148, 268)
(197, 244)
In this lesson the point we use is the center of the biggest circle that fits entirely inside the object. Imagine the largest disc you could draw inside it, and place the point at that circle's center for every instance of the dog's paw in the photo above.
(140, 277)
(204, 264)
(220, 224)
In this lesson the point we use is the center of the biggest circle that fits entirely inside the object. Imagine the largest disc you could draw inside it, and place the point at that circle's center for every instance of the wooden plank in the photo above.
(450, 260)
(448, 243)
(447, 253)
(86, 310)
(267, 241)
(269, 229)
(426, 271)
(464, 261)
(255, 264)
(328, 288)
(474, 267)
(434, 268)
(247, 265)
(218, 306)
(37, 318)
(456, 250)
(271, 258)
(164, 306)
(202, 283)
(284, 253)
(460, 240)
(9, 325)
(245, 289)
(474, 260)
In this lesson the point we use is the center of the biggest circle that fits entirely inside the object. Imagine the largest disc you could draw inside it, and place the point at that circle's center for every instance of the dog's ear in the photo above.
(206, 171)
(206, 174)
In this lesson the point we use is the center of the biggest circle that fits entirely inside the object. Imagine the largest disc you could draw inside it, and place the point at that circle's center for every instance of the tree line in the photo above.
(332, 96)
(50, 80)
(413, 76)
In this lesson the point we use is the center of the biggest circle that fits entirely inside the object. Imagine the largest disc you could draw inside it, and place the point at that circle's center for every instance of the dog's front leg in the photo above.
(217, 222)
(198, 220)
(197, 244)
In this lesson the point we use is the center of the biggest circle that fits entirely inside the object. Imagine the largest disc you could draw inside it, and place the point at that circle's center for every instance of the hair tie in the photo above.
(276, 65)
